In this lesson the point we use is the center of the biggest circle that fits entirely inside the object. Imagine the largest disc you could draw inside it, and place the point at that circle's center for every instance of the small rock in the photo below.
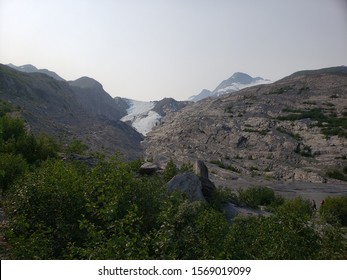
(148, 168)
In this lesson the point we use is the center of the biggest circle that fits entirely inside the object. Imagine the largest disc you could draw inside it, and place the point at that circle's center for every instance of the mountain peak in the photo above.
(85, 82)
(236, 82)
(29, 68)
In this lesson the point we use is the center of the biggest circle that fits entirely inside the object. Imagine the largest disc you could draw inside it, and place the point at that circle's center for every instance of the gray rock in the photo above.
(148, 168)
(189, 184)
(208, 187)
(200, 169)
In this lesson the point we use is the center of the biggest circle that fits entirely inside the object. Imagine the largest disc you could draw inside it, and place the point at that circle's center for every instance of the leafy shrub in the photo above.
(76, 146)
(255, 196)
(170, 171)
(11, 128)
(296, 207)
(335, 210)
(336, 174)
(45, 208)
(11, 168)
(275, 237)
(16, 140)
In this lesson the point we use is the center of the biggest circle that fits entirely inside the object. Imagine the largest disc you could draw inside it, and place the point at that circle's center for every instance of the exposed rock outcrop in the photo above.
(187, 183)
(197, 185)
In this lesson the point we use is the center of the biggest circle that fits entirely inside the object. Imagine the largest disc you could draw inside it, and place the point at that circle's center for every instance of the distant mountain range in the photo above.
(236, 82)
(28, 68)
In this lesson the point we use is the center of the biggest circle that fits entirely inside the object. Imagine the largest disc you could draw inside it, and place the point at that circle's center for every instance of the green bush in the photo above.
(15, 139)
(276, 238)
(256, 196)
(337, 174)
(76, 146)
(11, 168)
(45, 208)
(11, 128)
(170, 171)
(296, 207)
(334, 210)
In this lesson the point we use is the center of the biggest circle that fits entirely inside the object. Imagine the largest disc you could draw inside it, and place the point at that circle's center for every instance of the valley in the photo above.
(87, 176)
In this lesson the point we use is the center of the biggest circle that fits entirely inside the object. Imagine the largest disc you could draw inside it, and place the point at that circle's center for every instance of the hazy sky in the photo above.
(151, 49)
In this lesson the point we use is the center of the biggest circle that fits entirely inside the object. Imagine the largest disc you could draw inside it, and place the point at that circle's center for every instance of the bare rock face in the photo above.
(286, 132)
(200, 169)
(195, 185)
(188, 183)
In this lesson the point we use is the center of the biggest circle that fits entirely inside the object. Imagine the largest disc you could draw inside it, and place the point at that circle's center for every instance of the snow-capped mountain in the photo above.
(236, 82)
(143, 116)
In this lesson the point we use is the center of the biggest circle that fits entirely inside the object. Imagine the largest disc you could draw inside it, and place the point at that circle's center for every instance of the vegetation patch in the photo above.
(338, 174)
(330, 124)
(281, 90)
(221, 164)
(296, 136)
(261, 132)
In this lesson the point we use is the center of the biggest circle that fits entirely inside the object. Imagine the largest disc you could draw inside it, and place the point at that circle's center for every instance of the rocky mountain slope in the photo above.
(235, 83)
(80, 109)
(294, 130)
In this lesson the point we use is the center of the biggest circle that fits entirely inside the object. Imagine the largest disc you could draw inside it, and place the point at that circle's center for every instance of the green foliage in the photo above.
(274, 237)
(20, 150)
(221, 164)
(170, 171)
(45, 208)
(337, 174)
(296, 136)
(298, 207)
(11, 128)
(6, 107)
(334, 210)
(68, 211)
(330, 124)
(76, 146)
(11, 168)
(186, 167)
(281, 90)
(256, 196)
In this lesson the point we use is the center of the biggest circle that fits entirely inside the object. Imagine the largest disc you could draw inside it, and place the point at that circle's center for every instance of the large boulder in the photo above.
(189, 184)
(196, 186)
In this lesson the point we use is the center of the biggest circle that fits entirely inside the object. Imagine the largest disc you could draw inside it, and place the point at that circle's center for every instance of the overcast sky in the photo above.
(150, 49)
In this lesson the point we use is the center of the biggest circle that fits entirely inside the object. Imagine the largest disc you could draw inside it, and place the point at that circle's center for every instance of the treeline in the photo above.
(69, 210)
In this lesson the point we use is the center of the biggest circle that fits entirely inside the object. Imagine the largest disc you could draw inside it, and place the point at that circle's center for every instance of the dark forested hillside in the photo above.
(68, 112)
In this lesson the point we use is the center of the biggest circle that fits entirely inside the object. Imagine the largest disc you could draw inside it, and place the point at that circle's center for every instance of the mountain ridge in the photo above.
(236, 82)
(67, 112)
(293, 130)
(29, 68)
